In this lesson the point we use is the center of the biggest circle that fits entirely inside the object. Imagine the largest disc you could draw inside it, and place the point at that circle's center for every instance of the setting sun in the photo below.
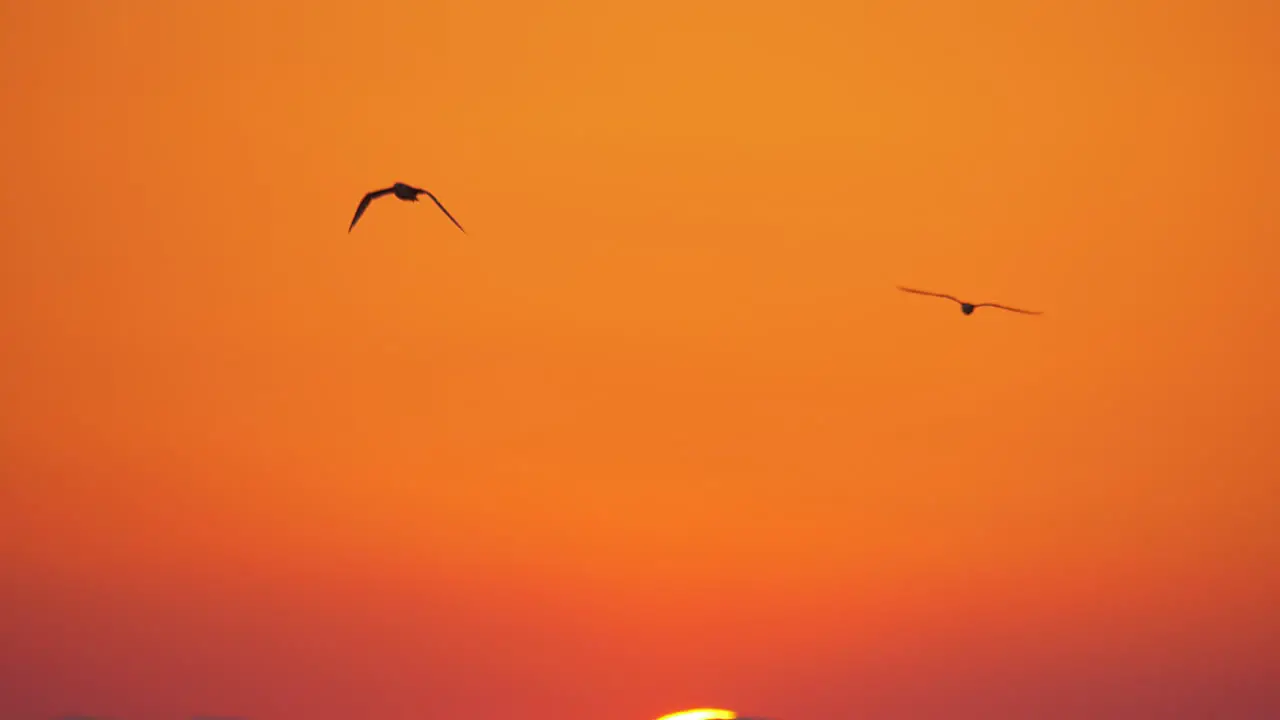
(701, 714)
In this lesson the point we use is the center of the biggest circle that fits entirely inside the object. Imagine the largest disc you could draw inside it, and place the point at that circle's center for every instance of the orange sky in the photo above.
(658, 432)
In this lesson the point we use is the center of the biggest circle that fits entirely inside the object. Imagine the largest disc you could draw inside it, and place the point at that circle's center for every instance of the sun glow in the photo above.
(701, 714)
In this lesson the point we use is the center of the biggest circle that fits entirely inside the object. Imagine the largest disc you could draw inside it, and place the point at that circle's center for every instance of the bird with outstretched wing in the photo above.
(404, 192)
(966, 307)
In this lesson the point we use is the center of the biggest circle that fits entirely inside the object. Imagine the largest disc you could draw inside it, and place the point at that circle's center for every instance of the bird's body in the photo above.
(967, 307)
(404, 192)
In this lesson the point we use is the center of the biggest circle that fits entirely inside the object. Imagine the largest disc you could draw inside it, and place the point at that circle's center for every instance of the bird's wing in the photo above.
(446, 212)
(925, 292)
(1011, 309)
(364, 203)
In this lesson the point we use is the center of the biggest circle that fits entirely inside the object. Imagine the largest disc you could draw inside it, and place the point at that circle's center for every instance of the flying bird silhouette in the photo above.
(968, 308)
(404, 192)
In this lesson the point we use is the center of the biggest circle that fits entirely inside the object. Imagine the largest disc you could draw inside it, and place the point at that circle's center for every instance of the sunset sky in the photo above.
(658, 432)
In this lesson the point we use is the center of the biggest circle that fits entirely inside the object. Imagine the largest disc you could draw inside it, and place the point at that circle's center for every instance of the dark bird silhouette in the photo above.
(404, 192)
(968, 308)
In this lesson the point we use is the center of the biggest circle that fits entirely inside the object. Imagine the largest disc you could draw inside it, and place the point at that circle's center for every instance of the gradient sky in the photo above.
(658, 432)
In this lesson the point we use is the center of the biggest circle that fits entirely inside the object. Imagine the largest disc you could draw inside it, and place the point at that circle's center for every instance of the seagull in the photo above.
(968, 308)
(402, 191)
